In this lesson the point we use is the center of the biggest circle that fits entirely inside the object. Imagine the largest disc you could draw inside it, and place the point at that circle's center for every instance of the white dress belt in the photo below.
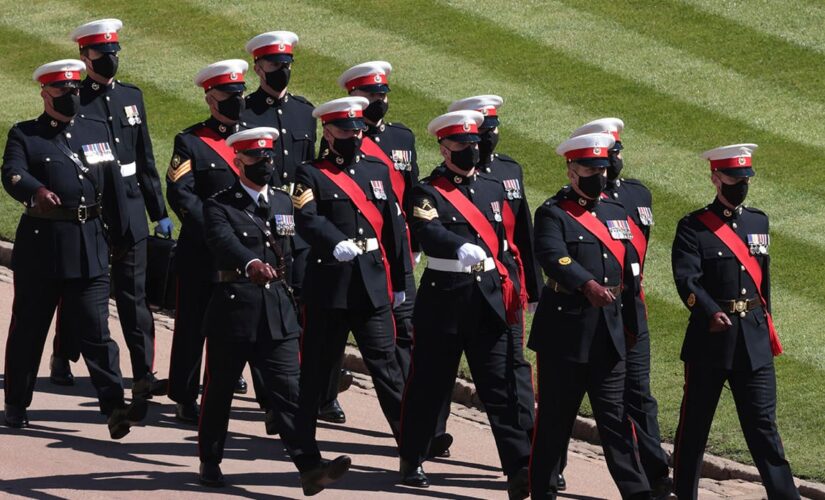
(454, 265)
(128, 169)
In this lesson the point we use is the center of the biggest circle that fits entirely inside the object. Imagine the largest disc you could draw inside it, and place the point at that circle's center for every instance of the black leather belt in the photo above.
(739, 306)
(556, 287)
(78, 214)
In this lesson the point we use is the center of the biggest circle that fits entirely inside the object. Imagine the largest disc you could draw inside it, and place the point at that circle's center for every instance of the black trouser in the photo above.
(83, 316)
(187, 343)
(641, 406)
(278, 363)
(562, 385)
(323, 342)
(754, 393)
(490, 350)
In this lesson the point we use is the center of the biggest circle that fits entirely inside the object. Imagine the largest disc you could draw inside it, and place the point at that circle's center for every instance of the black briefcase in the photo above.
(161, 280)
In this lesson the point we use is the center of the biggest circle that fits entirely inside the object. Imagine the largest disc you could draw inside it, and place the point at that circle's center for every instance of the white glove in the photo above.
(398, 298)
(470, 255)
(416, 257)
(345, 251)
(532, 306)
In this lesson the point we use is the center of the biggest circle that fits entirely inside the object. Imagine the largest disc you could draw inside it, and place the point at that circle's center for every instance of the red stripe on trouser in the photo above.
(58, 321)
(175, 326)
(203, 398)
(681, 429)
(535, 430)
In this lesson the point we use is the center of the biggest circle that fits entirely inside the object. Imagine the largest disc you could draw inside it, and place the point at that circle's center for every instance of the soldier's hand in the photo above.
(260, 273)
(598, 295)
(720, 322)
(45, 200)
(470, 255)
(346, 250)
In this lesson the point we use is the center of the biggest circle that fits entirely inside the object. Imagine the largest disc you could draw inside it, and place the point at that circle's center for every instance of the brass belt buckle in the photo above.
(82, 213)
(477, 267)
(362, 244)
(740, 306)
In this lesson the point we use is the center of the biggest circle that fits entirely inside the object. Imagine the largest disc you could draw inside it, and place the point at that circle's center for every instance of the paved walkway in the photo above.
(67, 453)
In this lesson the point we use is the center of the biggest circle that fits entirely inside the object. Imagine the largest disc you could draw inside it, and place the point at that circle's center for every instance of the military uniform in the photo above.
(121, 106)
(581, 348)
(710, 279)
(61, 258)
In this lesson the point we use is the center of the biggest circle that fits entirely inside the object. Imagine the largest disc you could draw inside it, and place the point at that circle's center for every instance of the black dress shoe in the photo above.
(518, 484)
(440, 446)
(561, 483)
(123, 417)
(270, 423)
(332, 412)
(241, 387)
(211, 475)
(149, 386)
(344, 381)
(187, 412)
(315, 480)
(413, 475)
(61, 371)
(662, 488)
(16, 417)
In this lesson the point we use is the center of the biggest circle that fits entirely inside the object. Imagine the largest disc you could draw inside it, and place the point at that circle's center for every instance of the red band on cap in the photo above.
(735, 162)
(275, 48)
(615, 134)
(342, 115)
(222, 80)
(58, 76)
(467, 128)
(361, 81)
(97, 38)
(262, 143)
(594, 152)
(490, 111)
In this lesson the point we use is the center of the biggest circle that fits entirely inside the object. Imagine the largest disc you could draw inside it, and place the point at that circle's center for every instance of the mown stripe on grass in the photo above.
(755, 54)
(797, 21)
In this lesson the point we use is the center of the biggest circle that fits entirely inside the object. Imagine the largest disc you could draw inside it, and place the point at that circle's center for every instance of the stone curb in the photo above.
(464, 393)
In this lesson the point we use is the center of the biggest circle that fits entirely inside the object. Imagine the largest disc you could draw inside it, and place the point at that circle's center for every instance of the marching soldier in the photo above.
(524, 270)
(640, 404)
(121, 106)
(346, 210)
(61, 167)
(577, 332)
(202, 164)
(394, 145)
(467, 303)
(721, 265)
(251, 315)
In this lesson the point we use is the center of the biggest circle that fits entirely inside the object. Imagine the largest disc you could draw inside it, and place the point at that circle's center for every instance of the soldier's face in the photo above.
(263, 66)
(332, 132)
(718, 178)
(370, 96)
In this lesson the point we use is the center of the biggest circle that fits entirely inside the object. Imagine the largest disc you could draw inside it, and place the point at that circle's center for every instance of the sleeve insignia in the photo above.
(15, 179)
(691, 300)
(565, 261)
(424, 209)
(178, 169)
(301, 196)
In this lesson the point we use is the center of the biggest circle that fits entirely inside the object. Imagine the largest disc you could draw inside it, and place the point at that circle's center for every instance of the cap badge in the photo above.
(68, 74)
(485, 111)
(377, 78)
(261, 142)
(351, 113)
(107, 36)
(233, 76)
(741, 160)
(597, 150)
(466, 126)
(281, 47)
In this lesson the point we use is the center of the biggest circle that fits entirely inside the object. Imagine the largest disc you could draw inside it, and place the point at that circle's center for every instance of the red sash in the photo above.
(737, 246)
(397, 182)
(478, 221)
(218, 145)
(595, 227)
(509, 220)
(359, 199)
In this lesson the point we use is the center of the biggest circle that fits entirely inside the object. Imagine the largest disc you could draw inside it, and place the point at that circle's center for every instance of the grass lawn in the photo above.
(684, 75)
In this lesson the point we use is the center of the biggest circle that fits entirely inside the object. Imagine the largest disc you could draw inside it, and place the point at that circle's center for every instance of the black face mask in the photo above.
(278, 79)
(376, 110)
(347, 148)
(735, 193)
(465, 159)
(615, 167)
(67, 104)
(488, 143)
(592, 185)
(106, 66)
(232, 106)
(260, 172)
